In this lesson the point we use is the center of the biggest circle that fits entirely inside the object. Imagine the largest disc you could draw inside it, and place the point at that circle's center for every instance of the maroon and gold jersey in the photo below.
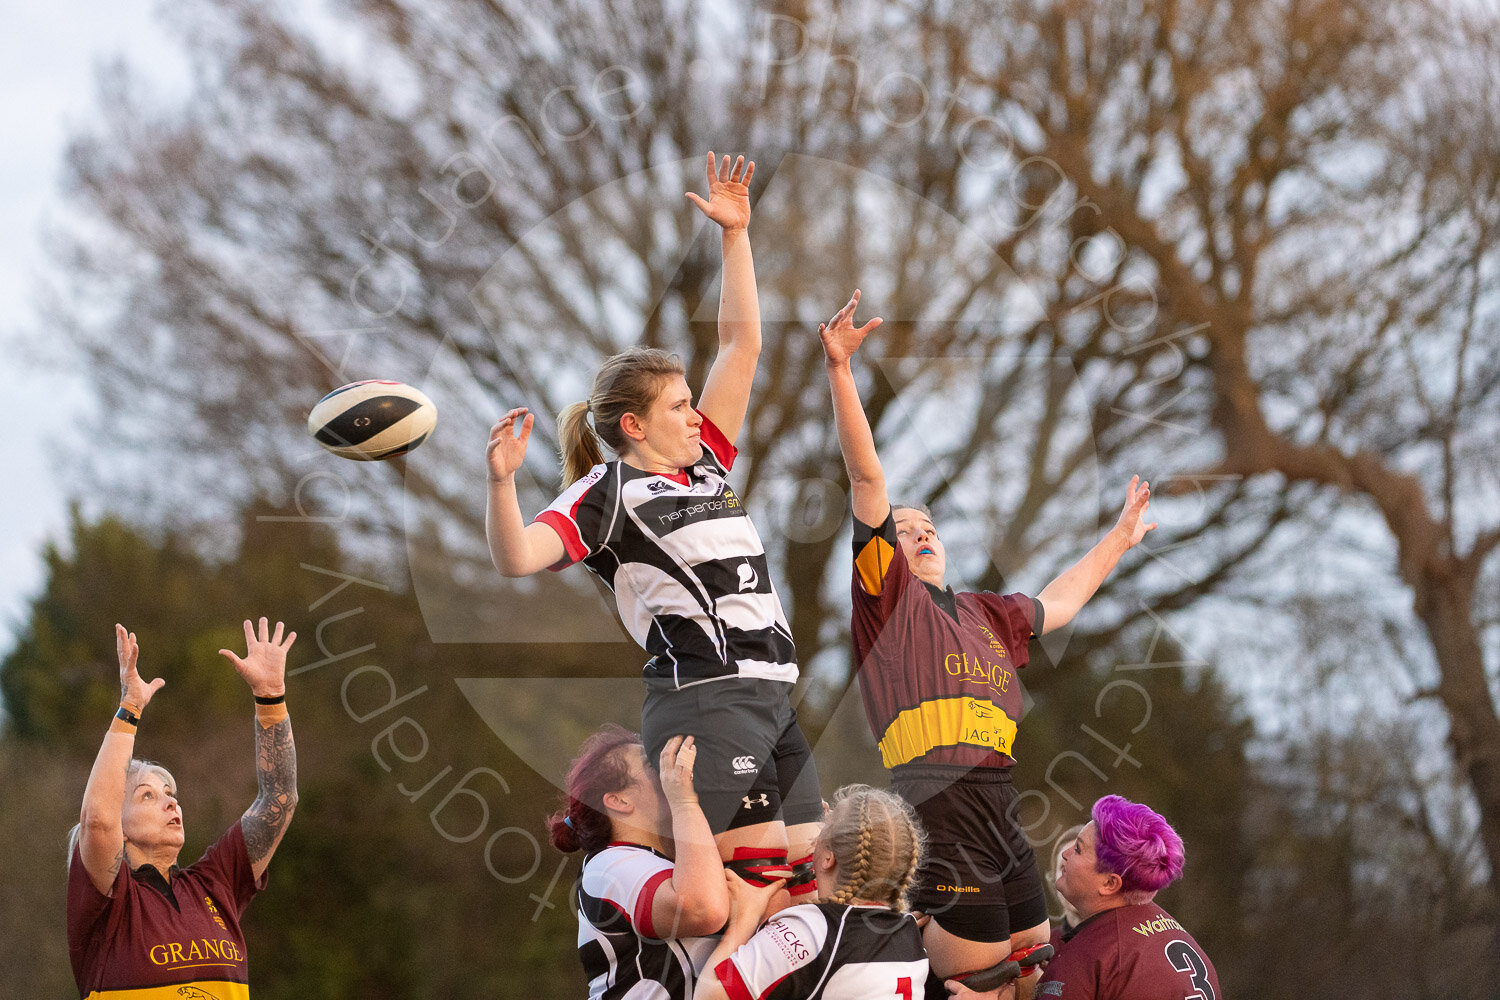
(154, 940)
(1130, 953)
(937, 670)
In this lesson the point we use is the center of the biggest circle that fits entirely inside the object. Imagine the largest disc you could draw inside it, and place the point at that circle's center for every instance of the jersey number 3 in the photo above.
(1185, 959)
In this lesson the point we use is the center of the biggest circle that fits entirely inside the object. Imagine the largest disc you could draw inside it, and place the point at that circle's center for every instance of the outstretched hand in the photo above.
(133, 690)
(264, 664)
(841, 338)
(507, 450)
(1132, 523)
(728, 201)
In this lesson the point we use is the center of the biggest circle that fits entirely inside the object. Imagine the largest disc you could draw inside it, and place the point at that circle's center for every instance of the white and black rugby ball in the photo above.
(373, 419)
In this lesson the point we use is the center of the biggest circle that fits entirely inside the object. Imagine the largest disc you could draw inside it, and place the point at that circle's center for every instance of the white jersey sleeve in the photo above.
(791, 940)
(618, 888)
(580, 515)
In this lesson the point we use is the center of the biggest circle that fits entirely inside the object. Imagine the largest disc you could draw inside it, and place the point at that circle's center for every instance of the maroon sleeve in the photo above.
(1015, 618)
(880, 577)
(87, 907)
(227, 863)
(1073, 974)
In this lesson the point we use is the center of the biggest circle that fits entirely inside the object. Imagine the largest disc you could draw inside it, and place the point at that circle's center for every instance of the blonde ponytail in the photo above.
(578, 446)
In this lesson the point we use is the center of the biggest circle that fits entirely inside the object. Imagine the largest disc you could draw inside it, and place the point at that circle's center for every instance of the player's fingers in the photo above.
(249, 633)
(238, 663)
(711, 161)
(724, 168)
(702, 205)
(749, 173)
(739, 169)
(265, 630)
(291, 637)
(526, 426)
(276, 635)
(871, 325)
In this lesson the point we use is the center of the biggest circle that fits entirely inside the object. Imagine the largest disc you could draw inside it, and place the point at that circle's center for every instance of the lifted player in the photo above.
(665, 532)
(937, 673)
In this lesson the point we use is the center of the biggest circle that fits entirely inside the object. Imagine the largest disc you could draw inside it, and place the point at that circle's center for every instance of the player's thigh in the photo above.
(736, 733)
(948, 954)
(797, 781)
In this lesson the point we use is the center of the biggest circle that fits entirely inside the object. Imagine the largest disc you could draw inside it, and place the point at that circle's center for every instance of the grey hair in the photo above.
(133, 772)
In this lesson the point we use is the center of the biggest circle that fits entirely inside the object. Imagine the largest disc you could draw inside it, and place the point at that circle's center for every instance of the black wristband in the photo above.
(275, 699)
(124, 715)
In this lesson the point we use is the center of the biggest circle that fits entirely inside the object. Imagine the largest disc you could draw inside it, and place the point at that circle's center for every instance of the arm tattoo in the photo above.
(276, 773)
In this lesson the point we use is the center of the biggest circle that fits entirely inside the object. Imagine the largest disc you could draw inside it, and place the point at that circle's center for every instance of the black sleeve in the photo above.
(864, 534)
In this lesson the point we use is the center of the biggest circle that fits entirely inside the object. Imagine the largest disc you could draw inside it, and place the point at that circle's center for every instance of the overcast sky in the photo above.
(48, 53)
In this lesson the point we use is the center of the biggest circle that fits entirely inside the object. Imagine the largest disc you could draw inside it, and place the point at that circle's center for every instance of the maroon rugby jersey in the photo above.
(938, 689)
(136, 944)
(1130, 953)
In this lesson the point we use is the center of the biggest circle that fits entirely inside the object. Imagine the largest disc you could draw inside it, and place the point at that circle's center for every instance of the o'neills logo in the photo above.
(957, 888)
(1156, 926)
(175, 953)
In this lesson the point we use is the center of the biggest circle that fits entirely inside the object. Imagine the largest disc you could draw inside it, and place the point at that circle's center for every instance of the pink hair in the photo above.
(1137, 844)
(602, 766)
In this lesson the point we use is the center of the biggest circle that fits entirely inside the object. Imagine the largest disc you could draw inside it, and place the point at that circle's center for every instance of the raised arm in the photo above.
(694, 901)
(264, 668)
(1063, 597)
(101, 838)
(747, 911)
(517, 548)
(841, 338)
(726, 394)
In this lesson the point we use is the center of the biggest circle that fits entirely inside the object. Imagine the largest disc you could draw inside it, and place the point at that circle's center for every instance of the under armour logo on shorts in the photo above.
(743, 765)
(760, 801)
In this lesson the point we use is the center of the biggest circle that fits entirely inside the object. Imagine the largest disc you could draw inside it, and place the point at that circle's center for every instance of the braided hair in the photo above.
(877, 845)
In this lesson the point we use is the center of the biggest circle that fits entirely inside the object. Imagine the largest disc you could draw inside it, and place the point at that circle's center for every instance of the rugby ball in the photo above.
(373, 419)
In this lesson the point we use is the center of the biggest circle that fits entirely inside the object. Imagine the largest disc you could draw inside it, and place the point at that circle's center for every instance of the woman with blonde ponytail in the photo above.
(858, 940)
(660, 525)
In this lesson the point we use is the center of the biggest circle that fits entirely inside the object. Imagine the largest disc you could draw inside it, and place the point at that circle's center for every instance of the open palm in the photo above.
(728, 201)
(841, 338)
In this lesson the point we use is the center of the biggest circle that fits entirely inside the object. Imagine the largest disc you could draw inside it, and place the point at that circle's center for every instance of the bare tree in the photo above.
(486, 201)
(1314, 185)
(1244, 248)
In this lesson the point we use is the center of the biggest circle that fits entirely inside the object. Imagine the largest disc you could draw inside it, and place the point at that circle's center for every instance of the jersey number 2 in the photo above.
(903, 987)
(1185, 959)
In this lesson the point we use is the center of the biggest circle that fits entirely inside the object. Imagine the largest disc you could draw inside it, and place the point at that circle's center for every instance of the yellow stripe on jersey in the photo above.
(871, 563)
(203, 989)
(946, 722)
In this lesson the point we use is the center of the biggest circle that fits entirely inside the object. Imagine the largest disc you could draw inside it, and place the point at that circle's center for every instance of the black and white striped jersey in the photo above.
(829, 951)
(686, 566)
(622, 955)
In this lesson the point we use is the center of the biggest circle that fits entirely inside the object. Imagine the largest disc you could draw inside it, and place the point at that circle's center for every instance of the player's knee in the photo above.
(759, 866)
(804, 881)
